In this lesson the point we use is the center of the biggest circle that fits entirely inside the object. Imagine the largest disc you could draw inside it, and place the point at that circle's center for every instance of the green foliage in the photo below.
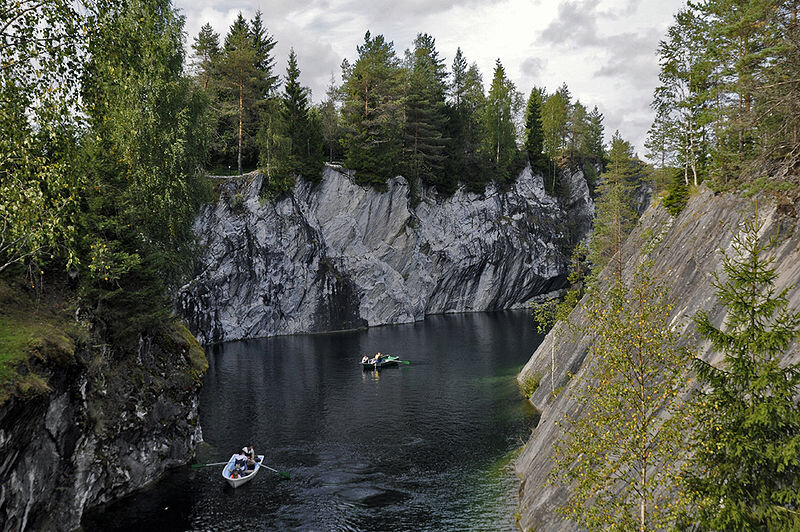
(744, 472)
(529, 384)
(534, 133)
(615, 214)
(467, 100)
(677, 195)
(727, 104)
(425, 117)
(40, 66)
(499, 143)
(372, 111)
(299, 143)
(618, 456)
(141, 161)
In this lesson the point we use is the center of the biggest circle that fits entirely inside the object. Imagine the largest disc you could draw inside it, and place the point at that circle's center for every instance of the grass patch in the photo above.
(529, 384)
(33, 332)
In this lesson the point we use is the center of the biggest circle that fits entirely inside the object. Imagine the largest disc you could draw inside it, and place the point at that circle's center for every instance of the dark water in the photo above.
(421, 447)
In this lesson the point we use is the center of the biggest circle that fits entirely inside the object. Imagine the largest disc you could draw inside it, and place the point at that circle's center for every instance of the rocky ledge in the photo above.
(102, 425)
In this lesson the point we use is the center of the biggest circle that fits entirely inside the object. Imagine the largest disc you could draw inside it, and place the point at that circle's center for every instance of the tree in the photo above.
(240, 75)
(141, 160)
(302, 151)
(499, 142)
(615, 212)
(618, 457)
(534, 134)
(425, 118)
(682, 100)
(206, 50)
(744, 472)
(41, 62)
(464, 129)
(372, 111)
(555, 111)
(329, 118)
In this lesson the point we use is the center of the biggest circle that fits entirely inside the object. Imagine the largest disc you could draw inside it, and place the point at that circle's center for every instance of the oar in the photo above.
(195, 466)
(284, 474)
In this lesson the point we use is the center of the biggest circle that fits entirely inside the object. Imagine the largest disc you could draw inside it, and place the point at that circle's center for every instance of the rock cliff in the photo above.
(685, 258)
(104, 425)
(338, 255)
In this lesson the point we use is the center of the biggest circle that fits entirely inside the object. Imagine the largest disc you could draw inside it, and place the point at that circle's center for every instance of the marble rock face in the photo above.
(337, 255)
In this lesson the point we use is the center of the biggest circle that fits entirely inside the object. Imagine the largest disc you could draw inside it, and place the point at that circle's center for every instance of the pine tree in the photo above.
(425, 118)
(744, 473)
(499, 143)
(615, 213)
(329, 117)
(302, 153)
(618, 457)
(240, 75)
(466, 101)
(534, 134)
(206, 50)
(372, 111)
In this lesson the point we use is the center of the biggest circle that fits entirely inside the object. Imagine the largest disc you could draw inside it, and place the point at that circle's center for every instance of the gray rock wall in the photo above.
(338, 255)
(685, 259)
(109, 425)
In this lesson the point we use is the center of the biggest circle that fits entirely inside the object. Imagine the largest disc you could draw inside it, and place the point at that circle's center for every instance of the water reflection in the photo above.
(418, 447)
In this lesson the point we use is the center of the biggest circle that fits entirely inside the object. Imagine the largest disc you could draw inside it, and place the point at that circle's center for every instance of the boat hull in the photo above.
(236, 482)
(388, 363)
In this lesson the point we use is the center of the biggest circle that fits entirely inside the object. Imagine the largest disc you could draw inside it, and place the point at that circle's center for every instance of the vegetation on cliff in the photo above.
(102, 136)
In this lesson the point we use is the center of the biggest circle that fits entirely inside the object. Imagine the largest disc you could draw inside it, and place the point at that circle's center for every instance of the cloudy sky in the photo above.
(603, 49)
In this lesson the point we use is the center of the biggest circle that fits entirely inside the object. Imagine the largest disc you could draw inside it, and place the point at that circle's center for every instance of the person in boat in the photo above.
(365, 359)
(239, 465)
(248, 451)
(378, 358)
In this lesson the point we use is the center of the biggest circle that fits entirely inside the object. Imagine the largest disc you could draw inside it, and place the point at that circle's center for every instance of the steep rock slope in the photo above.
(102, 425)
(339, 255)
(685, 258)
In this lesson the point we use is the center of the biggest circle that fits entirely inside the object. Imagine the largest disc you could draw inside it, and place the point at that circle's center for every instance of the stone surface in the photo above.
(112, 423)
(685, 259)
(338, 255)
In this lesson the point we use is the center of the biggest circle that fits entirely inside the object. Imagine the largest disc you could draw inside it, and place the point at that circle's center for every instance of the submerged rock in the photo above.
(338, 255)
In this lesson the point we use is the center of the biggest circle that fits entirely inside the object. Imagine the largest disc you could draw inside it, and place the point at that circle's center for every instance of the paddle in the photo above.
(195, 466)
(284, 474)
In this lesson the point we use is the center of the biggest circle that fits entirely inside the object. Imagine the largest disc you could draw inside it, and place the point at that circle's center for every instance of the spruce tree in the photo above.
(372, 111)
(534, 134)
(499, 143)
(424, 131)
(744, 472)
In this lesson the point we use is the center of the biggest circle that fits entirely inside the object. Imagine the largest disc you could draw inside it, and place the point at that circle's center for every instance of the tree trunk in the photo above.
(241, 113)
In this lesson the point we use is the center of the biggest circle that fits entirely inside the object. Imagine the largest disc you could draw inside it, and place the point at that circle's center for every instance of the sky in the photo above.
(604, 50)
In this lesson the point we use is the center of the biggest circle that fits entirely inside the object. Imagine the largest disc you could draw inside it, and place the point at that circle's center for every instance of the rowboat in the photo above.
(385, 362)
(236, 482)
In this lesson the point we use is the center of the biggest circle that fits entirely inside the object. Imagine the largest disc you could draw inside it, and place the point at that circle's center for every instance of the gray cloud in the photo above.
(533, 67)
(576, 24)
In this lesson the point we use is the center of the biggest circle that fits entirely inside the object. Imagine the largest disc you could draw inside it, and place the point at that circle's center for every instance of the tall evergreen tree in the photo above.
(534, 134)
(329, 121)
(425, 117)
(206, 51)
(615, 212)
(372, 111)
(744, 473)
(302, 150)
(240, 75)
(499, 142)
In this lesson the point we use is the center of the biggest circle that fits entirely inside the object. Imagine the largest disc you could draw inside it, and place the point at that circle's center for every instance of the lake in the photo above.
(424, 446)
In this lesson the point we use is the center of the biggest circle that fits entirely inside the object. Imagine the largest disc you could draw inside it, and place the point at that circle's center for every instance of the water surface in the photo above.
(426, 446)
